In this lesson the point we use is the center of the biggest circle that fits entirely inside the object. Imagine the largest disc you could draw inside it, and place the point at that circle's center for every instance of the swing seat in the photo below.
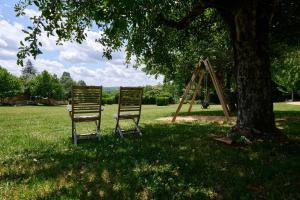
(205, 104)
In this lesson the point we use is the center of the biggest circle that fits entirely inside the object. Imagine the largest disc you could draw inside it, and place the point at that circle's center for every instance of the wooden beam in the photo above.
(196, 91)
(187, 89)
(217, 87)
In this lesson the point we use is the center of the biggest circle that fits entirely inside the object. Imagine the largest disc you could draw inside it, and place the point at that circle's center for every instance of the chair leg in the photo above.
(118, 128)
(98, 129)
(117, 124)
(72, 131)
(74, 134)
(120, 131)
(136, 125)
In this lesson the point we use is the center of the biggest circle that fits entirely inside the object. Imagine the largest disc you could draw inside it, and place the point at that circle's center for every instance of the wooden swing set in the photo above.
(199, 71)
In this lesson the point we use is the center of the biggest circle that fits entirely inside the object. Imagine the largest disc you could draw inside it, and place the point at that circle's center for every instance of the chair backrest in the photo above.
(86, 100)
(130, 99)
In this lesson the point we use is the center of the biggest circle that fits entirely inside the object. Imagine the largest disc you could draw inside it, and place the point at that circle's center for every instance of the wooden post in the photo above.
(188, 87)
(196, 91)
(217, 87)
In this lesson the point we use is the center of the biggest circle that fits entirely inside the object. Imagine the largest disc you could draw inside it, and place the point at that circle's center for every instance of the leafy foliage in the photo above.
(47, 85)
(81, 83)
(135, 24)
(151, 93)
(67, 83)
(162, 101)
(285, 42)
(28, 73)
(9, 84)
(286, 69)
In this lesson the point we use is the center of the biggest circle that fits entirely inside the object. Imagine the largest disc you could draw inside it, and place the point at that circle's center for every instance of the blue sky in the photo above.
(83, 61)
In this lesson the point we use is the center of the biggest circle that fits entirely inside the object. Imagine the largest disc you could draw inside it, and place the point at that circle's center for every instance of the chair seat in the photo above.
(126, 116)
(86, 118)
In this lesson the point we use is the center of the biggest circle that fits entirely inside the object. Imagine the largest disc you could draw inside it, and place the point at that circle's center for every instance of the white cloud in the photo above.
(11, 66)
(7, 54)
(114, 75)
(82, 57)
(11, 33)
(87, 52)
(3, 43)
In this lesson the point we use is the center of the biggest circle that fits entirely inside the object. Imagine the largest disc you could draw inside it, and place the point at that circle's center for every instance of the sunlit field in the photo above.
(170, 161)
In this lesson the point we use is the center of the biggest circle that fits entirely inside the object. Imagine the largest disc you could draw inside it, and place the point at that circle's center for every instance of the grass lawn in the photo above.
(170, 161)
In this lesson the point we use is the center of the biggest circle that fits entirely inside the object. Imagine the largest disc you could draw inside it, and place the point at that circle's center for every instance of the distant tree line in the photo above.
(46, 85)
(36, 85)
(158, 94)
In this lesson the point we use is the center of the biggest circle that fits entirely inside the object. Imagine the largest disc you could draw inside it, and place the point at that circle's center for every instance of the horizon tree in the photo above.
(67, 83)
(81, 83)
(47, 86)
(29, 68)
(28, 72)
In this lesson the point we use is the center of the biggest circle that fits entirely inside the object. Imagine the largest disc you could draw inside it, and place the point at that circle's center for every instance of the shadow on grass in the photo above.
(177, 161)
(290, 113)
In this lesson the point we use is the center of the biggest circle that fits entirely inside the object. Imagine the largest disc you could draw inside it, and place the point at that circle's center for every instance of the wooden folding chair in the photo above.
(130, 104)
(86, 107)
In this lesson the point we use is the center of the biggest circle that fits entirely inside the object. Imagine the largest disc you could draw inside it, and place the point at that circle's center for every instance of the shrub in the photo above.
(107, 100)
(162, 101)
(149, 100)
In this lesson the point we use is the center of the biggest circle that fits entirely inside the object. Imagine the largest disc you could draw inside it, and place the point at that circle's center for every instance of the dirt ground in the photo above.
(218, 119)
(294, 103)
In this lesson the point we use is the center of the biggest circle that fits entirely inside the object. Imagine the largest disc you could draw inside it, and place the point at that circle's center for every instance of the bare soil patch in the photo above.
(218, 119)
(294, 103)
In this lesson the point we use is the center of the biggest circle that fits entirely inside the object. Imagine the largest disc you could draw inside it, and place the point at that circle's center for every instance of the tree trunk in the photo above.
(250, 29)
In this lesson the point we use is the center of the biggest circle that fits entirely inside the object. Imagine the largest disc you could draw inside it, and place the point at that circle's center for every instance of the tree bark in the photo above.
(250, 30)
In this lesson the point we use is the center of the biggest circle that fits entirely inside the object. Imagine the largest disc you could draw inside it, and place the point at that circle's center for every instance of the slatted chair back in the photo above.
(130, 100)
(86, 100)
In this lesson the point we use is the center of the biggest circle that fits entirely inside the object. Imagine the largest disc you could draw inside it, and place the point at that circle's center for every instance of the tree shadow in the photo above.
(177, 161)
(289, 113)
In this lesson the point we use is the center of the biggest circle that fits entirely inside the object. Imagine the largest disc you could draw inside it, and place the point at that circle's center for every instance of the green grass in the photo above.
(170, 161)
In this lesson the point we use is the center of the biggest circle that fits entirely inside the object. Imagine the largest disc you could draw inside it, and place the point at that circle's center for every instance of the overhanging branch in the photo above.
(185, 21)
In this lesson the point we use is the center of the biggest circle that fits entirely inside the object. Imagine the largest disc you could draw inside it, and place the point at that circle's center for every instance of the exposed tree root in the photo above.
(248, 136)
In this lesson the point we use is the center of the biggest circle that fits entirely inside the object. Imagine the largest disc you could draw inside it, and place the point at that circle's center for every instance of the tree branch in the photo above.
(185, 21)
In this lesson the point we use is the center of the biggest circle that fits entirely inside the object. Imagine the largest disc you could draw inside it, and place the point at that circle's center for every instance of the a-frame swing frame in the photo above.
(199, 72)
